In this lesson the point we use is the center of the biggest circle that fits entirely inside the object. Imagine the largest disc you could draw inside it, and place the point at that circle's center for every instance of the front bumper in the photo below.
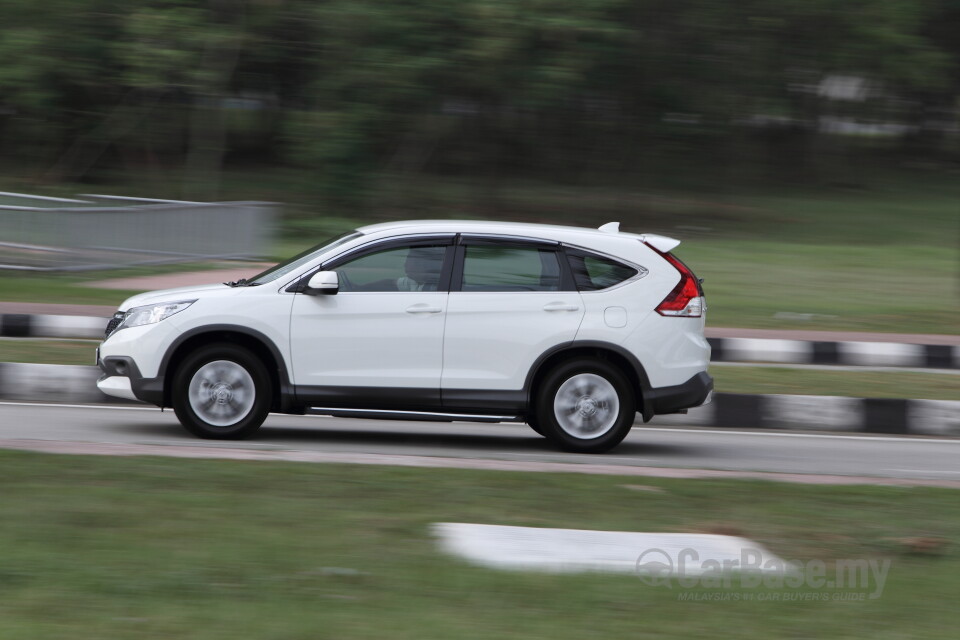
(122, 379)
(693, 393)
(134, 355)
(116, 386)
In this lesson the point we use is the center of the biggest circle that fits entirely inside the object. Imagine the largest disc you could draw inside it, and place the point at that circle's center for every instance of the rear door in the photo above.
(511, 300)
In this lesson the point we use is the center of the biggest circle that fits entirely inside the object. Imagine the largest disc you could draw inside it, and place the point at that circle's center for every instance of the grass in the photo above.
(96, 547)
(729, 379)
(877, 254)
(900, 289)
(43, 351)
(62, 289)
(819, 382)
(880, 256)
(75, 288)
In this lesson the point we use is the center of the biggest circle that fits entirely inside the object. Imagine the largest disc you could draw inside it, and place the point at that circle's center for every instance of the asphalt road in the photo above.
(36, 426)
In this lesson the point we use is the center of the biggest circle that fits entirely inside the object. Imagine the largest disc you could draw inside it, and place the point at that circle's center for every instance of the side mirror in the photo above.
(323, 282)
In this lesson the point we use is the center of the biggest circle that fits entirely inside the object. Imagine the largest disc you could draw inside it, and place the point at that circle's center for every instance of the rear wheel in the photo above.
(222, 392)
(586, 405)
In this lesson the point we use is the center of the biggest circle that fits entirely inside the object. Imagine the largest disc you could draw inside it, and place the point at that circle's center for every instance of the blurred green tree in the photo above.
(563, 90)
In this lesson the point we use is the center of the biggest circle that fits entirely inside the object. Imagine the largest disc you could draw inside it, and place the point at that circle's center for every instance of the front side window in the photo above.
(496, 268)
(396, 269)
(593, 272)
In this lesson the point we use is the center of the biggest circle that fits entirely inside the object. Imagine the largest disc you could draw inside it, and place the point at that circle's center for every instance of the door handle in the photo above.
(423, 308)
(560, 306)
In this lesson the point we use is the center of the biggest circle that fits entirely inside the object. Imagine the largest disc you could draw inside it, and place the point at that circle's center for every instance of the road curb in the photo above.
(30, 325)
(851, 353)
(833, 414)
(76, 384)
(58, 383)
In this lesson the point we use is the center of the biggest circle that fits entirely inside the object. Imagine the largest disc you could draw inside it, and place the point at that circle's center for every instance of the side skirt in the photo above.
(413, 404)
(425, 416)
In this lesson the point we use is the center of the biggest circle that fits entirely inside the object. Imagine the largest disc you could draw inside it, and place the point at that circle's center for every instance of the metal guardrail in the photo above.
(89, 234)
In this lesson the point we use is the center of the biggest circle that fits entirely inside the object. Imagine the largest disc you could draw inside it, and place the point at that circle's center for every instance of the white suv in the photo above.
(572, 330)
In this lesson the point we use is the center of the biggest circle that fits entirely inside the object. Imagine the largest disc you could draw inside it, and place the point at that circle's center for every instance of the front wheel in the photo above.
(586, 406)
(221, 391)
(534, 424)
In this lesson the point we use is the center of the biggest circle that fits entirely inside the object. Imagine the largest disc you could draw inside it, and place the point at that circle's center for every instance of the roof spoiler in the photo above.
(663, 244)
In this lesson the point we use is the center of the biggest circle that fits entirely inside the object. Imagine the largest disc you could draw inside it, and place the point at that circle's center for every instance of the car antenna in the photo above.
(610, 227)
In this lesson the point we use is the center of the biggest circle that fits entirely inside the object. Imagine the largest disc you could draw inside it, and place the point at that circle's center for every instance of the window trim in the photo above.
(503, 240)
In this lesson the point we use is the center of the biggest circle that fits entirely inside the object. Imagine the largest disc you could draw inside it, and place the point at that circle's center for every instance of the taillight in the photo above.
(686, 300)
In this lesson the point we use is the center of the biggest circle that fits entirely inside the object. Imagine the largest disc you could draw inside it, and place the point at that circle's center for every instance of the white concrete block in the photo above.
(882, 354)
(578, 550)
(813, 412)
(767, 350)
(29, 382)
(51, 326)
(934, 417)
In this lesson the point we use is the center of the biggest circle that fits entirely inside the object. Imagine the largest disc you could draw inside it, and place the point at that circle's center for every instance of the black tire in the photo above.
(534, 424)
(233, 381)
(599, 419)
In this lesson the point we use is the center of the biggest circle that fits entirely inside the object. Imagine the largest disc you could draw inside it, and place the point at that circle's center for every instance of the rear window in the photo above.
(594, 273)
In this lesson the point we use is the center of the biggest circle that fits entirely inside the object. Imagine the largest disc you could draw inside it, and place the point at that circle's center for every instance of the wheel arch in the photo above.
(254, 341)
(614, 354)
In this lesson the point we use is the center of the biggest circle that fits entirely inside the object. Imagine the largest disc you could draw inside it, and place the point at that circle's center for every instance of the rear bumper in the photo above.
(692, 393)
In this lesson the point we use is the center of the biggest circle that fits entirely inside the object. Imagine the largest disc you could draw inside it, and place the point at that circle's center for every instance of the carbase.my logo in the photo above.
(655, 568)
(658, 568)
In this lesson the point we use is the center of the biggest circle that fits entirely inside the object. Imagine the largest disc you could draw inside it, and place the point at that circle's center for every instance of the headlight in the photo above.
(152, 313)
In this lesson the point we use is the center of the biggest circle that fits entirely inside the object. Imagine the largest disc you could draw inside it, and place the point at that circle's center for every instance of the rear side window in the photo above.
(493, 268)
(593, 272)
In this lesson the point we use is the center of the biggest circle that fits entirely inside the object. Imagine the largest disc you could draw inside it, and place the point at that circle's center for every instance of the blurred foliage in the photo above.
(572, 91)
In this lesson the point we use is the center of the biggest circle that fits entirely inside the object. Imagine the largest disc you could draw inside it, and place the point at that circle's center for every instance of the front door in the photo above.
(377, 342)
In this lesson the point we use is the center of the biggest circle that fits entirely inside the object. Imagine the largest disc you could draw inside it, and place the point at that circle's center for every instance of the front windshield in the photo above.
(288, 266)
